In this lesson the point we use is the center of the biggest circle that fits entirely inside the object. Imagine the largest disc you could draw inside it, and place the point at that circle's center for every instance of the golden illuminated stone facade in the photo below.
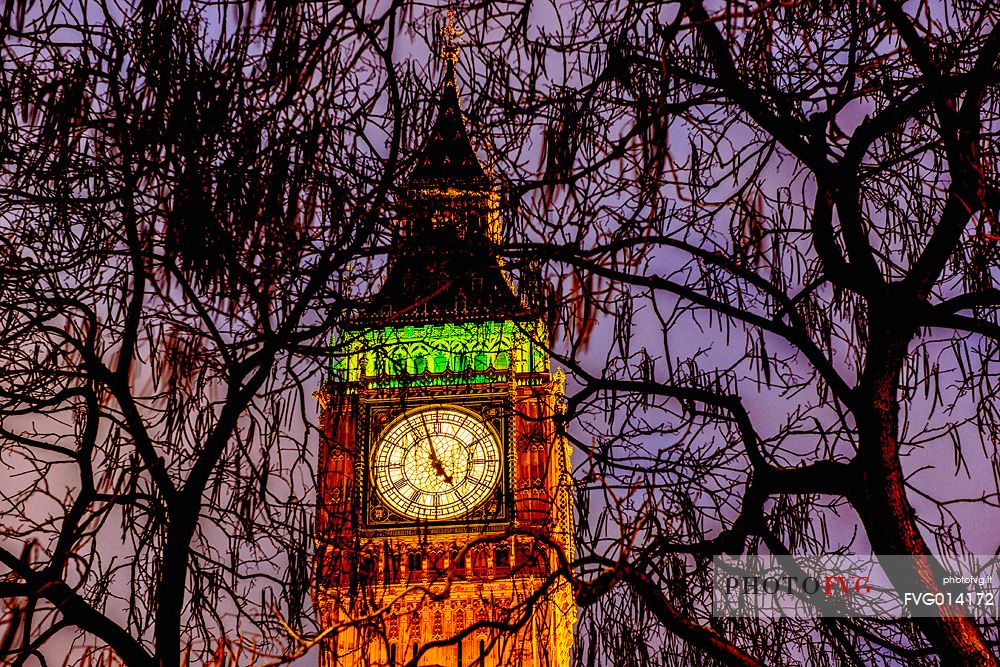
(444, 517)
(458, 592)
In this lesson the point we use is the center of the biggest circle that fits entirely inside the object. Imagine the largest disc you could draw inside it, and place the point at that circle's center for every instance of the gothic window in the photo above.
(398, 366)
(480, 562)
(440, 362)
(435, 563)
(390, 567)
(419, 365)
(417, 355)
(458, 564)
(527, 559)
(481, 362)
(366, 569)
(501, 557)
(414, 564)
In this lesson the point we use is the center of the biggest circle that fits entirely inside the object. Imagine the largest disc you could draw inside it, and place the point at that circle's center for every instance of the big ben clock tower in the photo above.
(444, 519)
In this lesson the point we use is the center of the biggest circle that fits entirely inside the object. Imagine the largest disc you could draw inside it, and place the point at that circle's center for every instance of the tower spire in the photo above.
(447, 154)
(451, 40)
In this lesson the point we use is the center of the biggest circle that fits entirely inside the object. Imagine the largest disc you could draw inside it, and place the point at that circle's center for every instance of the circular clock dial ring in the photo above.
(436, 463)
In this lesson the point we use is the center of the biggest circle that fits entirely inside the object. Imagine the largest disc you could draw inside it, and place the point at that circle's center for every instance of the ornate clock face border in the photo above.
(377, 411)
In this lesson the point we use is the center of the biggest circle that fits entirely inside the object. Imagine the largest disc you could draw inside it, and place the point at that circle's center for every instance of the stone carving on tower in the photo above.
(444, 510)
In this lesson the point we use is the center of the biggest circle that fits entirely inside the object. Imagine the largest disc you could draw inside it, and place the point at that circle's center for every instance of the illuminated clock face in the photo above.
(436, 463)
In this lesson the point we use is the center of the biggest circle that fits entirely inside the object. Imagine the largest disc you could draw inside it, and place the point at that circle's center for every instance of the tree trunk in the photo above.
(171, 588)
(881, 502)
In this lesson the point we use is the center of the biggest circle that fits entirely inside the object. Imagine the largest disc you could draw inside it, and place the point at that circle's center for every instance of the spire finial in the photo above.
(451, 38)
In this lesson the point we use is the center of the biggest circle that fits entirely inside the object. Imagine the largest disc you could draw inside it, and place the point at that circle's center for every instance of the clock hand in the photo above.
(436, 463)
